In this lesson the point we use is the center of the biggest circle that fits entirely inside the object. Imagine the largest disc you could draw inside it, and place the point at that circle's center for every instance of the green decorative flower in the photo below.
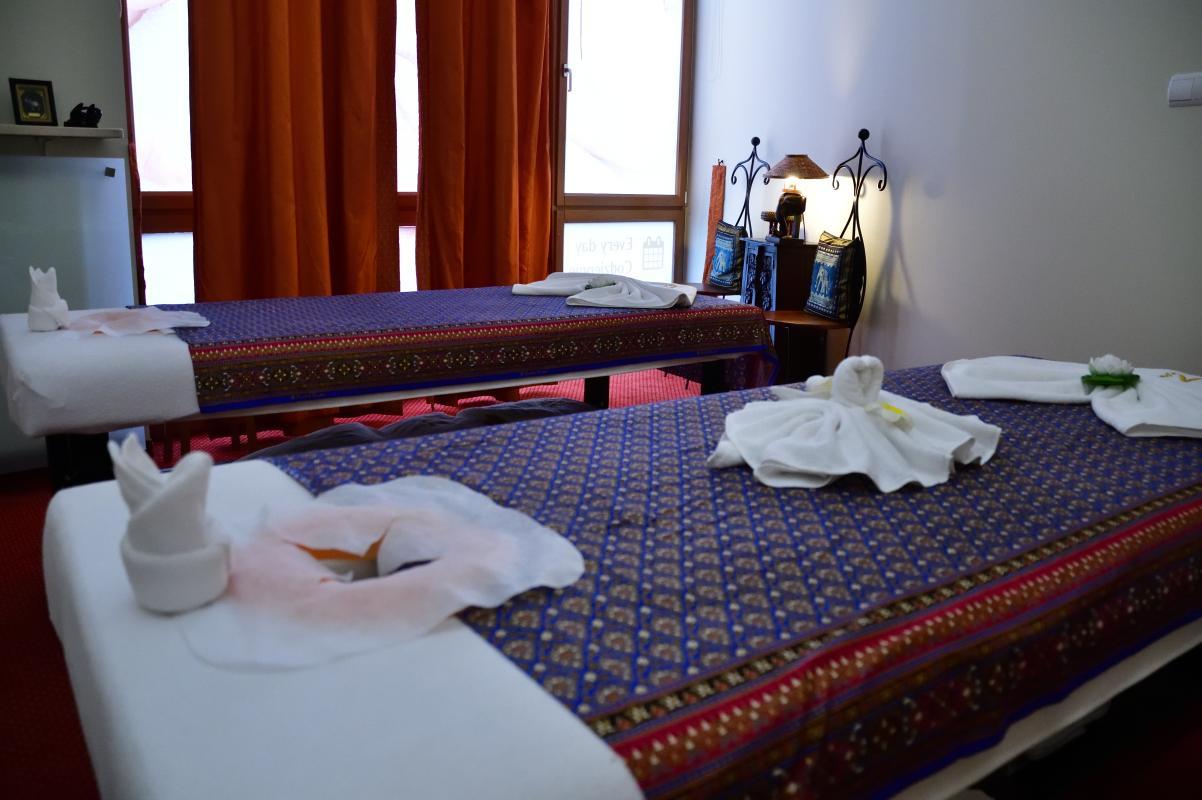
(1110, 370)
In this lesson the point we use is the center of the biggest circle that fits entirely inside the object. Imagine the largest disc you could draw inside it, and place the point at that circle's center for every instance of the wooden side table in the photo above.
(776, 277)
(804, 344)
(776, 273)
(710, 290)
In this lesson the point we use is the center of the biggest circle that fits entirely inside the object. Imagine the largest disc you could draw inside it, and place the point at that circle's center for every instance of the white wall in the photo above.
(61, 210)
(1042, 199)
(74, 44)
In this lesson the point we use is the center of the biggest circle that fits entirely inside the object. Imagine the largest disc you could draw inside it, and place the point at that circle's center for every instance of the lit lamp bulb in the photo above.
(790, 208)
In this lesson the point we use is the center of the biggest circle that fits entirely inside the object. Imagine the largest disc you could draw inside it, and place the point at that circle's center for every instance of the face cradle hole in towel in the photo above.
(411, 565)
(399, 556)
(344, 565)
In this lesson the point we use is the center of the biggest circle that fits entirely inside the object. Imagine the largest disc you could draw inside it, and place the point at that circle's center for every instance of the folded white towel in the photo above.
(563, 284)
(175, 558)
(134, 321)
(609, 291)
(1164, 402)
(47, 311)
(846, 424)
(286, 609)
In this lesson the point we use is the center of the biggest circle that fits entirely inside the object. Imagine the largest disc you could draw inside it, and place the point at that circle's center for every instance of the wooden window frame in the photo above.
(575, 207)
(172, 212)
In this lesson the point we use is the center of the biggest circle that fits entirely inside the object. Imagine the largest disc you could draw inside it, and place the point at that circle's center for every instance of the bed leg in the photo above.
(78, 458)
(713, 377)
(596, 391)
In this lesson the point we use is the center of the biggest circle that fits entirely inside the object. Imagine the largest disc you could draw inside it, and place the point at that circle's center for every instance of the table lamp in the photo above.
(790, 209)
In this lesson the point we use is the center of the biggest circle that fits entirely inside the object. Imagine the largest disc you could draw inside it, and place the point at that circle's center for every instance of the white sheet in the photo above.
(135, 321)
(444, 716)
(60, 382)
(286, 610)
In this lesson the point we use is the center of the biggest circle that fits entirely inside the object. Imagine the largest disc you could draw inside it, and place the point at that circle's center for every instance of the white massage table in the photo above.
(445, 716)
(75, 389)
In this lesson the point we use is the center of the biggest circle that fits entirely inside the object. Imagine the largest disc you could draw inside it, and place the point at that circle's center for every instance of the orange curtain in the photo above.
(484, 171)
(293, 147)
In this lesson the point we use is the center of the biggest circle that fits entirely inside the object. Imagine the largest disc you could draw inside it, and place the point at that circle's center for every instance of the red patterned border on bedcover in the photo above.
(929, 679)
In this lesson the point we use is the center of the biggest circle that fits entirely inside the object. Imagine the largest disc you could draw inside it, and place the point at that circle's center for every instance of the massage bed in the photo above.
(291, 354)
(726, 638)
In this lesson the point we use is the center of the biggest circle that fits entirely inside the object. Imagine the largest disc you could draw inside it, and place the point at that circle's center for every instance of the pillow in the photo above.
(832, 278)
(726, 270)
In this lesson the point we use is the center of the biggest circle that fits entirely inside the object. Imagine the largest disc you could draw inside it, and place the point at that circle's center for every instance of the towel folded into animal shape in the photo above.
(47, 311)
(609, 291)
(846, 425)
(365, 567)
(174, 556)
(1163, 402)
(134, 321)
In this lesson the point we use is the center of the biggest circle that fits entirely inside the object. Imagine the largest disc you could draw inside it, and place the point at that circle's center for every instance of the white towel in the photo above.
(47, 311)
(1165, 402)
(134, 321)
(846, 424)
(286, 609)
(609, 291)
(175, 558)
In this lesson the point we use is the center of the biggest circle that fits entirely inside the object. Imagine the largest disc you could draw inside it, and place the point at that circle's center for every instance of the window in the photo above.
(623, 115)
(158, 65)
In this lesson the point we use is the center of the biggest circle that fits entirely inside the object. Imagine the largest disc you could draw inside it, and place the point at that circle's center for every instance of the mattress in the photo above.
(260, 352)
(62, 382)
(264, 356)
(726, 638)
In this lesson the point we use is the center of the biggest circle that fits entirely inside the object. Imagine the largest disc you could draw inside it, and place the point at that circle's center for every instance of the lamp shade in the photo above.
(796, 166)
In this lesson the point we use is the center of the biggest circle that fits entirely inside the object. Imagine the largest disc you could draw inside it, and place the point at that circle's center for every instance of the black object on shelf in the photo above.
(751, 167)
(860, 275)
(83, 117)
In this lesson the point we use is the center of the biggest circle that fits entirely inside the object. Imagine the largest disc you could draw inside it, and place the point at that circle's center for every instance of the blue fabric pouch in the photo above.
(726, 270)
(831, 280)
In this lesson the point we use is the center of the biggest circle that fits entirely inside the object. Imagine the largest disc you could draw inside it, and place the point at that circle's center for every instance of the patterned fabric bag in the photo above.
(835, 285)
(726, 270)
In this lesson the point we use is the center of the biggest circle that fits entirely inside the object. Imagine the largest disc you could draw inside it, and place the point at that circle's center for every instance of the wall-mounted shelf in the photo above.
(59, 132)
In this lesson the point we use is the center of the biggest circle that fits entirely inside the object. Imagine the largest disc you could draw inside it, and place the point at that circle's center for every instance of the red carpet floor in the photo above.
(634, 388)
(42, 752)
(1149, 744)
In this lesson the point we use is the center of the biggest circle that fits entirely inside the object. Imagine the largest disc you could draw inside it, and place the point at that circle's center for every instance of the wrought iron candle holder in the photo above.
(857, 181)
(751, 167)
(858, 176)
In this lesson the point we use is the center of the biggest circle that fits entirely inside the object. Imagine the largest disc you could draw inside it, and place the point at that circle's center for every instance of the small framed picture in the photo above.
(33, 102)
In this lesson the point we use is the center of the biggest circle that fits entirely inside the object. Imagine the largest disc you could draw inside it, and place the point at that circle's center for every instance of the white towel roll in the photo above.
(178, 582)
(175, 558)
(47, 311)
